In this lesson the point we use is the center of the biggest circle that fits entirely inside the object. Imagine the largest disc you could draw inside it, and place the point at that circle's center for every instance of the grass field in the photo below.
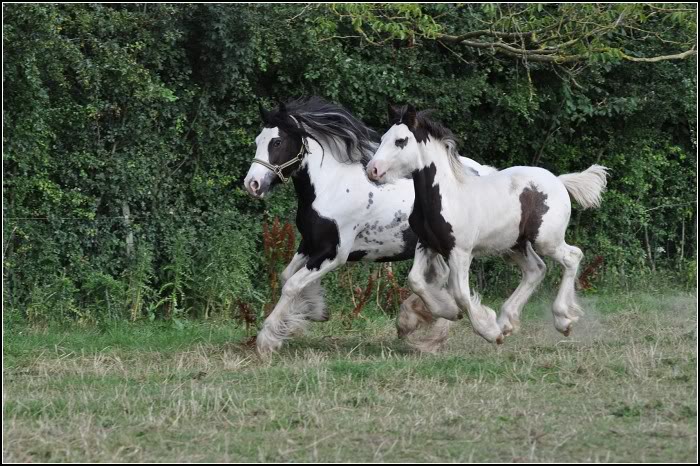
(623, 387)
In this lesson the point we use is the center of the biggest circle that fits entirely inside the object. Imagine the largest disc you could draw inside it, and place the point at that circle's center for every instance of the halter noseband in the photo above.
(277, 169)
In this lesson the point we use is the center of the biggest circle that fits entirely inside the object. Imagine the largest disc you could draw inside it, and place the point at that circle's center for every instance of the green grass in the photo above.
(621, 388)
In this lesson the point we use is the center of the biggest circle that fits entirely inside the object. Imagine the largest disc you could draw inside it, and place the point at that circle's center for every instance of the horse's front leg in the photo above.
(297, 262)
(285, 318)
(430, 304)
(312, 305)
(483, 318)
(427, 279)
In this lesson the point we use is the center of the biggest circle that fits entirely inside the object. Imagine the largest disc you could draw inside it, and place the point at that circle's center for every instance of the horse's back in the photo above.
(479, 169)
(521, 178)
(515, 198)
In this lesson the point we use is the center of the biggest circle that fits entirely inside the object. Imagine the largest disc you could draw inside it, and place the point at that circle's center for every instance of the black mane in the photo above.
(424, 124)
(331, 125)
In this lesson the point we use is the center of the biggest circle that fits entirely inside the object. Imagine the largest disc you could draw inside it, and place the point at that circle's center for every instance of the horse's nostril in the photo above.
(254, 185)
(374, 172)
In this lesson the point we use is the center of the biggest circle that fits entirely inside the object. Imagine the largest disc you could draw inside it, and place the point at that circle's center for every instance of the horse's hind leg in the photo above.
(534, 270)
(565, 309)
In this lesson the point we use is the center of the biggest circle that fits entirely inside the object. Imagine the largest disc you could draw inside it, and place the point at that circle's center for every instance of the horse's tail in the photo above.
(588, 186)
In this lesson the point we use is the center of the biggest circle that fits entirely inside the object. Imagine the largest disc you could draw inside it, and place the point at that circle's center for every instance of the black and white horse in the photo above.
(341, 215)
(520, 211)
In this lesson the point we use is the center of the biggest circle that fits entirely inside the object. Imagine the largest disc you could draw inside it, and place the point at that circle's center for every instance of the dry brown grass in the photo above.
(622, 388)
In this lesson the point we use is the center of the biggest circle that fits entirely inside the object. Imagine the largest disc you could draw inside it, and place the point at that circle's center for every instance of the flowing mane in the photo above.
(348, 139)
(427, 127)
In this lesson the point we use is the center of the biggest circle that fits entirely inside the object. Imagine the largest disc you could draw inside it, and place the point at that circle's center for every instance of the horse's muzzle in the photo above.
(258, 187)
(375, 170)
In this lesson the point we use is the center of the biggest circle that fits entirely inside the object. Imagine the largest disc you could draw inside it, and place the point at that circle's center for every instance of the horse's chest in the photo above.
(427, 219)
(320, 237)
(432, 229)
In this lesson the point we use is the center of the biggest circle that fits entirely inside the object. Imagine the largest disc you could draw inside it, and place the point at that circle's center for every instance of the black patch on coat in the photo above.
(426, 219)
(319, 235)
(533, 206)
(409, 247)
(357, 255)
(407, 251)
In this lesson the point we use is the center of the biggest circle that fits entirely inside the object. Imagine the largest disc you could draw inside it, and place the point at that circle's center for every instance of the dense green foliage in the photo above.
(149, 112)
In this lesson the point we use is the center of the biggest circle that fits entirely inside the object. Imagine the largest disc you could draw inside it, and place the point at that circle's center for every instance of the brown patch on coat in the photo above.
(533, 207)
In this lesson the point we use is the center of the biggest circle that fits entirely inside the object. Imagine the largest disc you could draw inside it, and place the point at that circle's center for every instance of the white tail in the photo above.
(587, 187)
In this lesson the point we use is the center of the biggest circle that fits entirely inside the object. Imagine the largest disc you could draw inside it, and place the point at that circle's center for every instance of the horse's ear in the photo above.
(264, 114)
(283, 108)
(409, 117)
(393, 113)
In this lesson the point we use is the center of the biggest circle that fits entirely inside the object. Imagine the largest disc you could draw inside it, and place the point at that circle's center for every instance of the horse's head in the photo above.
(398, 153)
(280, 148)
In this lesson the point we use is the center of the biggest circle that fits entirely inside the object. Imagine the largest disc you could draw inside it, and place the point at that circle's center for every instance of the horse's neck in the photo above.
(320, 174)
(435, 164)
(428, 193)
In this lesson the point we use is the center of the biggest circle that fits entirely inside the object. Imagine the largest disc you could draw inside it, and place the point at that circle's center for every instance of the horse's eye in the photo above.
(401, 143)
(277, 143)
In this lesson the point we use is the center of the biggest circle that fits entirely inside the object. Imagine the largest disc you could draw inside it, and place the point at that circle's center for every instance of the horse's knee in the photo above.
(573, 256)
(539, 271)
(285, 276)
(577, 253)
(416, 281)
(291, 290)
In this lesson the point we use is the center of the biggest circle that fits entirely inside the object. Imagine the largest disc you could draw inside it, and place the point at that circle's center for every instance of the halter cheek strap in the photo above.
(277, 169)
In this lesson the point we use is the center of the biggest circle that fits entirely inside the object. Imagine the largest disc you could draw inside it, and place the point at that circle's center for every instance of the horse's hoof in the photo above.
(567, 332)
(500, 339)
(266, 346)
(324, 316)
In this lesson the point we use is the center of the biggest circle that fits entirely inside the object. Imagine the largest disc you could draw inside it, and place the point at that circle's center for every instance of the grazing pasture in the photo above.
(621, 388)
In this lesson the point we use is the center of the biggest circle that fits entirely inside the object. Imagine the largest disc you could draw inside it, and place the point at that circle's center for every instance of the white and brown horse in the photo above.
(519, 211)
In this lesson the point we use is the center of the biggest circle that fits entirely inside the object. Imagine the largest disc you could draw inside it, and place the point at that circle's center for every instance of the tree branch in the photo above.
(477, 34)
(550, 56)
(678, 56)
